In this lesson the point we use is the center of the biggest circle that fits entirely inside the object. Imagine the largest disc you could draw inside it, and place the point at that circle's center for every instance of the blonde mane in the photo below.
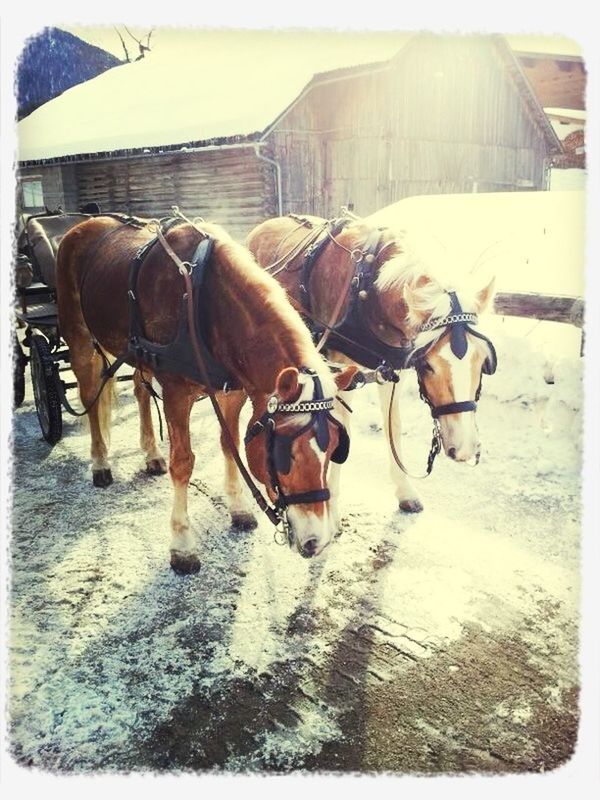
(275, 310)
(428, 287)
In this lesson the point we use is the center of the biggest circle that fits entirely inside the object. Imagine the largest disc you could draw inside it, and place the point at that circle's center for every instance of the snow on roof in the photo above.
(531, 241)
(194, 85)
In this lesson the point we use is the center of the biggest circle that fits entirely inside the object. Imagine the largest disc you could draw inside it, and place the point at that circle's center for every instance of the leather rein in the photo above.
(277, 514)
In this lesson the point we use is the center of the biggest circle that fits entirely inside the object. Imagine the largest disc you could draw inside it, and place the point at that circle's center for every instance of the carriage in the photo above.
(37, 340)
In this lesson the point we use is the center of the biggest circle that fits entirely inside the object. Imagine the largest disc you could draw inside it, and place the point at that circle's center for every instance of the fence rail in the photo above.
(555, 308)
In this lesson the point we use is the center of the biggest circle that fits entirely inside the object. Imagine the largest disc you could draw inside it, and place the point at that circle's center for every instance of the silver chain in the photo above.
(442, 322)
(307, 405)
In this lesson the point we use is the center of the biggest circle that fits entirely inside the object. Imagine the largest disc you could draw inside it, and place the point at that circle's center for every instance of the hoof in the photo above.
(157, 466)
(184, 563)
(243, 522)
(102, 478)
(411, 506)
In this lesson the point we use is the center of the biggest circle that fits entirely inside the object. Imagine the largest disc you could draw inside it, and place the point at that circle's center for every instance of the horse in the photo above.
(249, 329)
(375, 304)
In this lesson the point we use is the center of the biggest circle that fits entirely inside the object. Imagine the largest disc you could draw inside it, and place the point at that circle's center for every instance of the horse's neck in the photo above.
(256, 333)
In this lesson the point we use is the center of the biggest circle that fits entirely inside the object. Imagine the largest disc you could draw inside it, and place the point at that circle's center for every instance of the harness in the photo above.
(279, 445)
(352, 334)
(177, 356)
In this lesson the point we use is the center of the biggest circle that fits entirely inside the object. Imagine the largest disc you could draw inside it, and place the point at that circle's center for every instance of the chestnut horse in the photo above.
(400, 308)
(250, 329)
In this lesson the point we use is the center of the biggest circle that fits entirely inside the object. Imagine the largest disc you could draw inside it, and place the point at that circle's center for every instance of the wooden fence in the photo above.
(553, 308)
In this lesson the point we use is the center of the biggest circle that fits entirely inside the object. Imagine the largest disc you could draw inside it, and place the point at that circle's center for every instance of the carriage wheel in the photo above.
(19, 362)
(44, 377)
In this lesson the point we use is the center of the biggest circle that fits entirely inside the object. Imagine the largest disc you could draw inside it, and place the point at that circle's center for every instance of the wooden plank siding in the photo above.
(445, 116)
(231, 187)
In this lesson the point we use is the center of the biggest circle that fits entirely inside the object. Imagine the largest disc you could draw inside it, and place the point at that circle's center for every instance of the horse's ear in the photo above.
(410, 297)
(287, 385)
(344, 379)
(484, 296)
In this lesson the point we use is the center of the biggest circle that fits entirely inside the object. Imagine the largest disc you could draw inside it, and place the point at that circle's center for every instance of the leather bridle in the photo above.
(458, 324)
(279, 445)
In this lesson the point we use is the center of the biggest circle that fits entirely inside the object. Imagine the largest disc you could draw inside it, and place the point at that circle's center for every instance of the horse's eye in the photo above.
(426, 367)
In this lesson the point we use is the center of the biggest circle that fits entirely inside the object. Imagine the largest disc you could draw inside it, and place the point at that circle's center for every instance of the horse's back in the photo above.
(264, 240)
(91, 281)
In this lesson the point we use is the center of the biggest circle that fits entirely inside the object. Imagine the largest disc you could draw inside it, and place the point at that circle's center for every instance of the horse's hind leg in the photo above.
(87, 365)
(155, 463)
(242, 517)
(178, 400)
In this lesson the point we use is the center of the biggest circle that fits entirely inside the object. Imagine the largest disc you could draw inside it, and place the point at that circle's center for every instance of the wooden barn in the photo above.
(443, 114)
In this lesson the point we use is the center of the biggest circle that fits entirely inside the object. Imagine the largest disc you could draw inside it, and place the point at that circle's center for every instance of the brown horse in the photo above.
(253, 332)
(398, 308)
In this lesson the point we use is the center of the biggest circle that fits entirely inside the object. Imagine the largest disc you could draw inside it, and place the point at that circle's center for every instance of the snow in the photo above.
(530, 241)
(108, 646)
(194, 85)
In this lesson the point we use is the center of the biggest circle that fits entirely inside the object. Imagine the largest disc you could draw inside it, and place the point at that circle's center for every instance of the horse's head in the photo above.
(450, 357)
(291, 439)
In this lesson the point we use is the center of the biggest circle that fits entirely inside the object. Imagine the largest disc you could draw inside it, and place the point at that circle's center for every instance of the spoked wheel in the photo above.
(44, 378)
(19, 362)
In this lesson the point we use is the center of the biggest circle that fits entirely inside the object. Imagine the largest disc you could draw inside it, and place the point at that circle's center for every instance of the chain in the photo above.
(307, 405)
(442, 322)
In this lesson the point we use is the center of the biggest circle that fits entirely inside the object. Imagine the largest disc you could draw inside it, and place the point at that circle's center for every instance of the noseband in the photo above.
(457, 323)
(279, 445)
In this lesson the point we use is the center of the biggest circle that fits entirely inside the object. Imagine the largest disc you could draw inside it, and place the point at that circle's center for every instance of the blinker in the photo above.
(458, 333)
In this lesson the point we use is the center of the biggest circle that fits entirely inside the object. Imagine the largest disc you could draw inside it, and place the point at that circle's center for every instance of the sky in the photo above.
(106, 37)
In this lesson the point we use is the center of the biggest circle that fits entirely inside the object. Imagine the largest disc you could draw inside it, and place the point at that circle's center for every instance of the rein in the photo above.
(318, 407)
(184, 268)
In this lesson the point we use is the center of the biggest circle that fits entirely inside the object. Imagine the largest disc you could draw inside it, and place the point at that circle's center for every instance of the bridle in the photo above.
(279, 445)
(458, 324)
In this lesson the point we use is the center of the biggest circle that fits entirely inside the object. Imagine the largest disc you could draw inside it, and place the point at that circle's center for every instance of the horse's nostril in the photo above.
(452, 452)
(309, 548)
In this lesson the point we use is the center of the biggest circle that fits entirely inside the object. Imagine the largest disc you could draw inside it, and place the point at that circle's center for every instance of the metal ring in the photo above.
(281, 533)
(356, 258)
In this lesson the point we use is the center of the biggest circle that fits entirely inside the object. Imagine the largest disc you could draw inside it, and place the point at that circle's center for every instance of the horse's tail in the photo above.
(106, 402)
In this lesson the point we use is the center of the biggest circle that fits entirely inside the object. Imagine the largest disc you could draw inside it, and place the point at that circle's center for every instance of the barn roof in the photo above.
(511, 63)
(210, 87)
(171, 100)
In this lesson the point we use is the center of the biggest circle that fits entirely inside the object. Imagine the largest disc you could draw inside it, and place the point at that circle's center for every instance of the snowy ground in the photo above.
(439, 642)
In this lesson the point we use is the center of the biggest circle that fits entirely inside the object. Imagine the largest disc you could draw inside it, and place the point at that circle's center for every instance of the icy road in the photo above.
(439, 642)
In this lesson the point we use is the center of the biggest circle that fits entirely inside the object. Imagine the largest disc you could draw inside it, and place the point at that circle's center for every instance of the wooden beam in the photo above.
(555, 308)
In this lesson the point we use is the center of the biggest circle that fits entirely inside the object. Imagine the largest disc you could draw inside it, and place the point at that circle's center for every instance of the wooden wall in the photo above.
(444, 117)
(231, 186)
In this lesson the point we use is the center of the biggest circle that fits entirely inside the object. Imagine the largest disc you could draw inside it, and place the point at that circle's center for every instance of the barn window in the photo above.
(33, 194)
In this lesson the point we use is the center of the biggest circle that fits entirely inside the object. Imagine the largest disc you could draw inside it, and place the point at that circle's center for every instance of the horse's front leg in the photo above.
(333, 479)
(240, 509)
(155, 463)
(178, 399)
(408, 499)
